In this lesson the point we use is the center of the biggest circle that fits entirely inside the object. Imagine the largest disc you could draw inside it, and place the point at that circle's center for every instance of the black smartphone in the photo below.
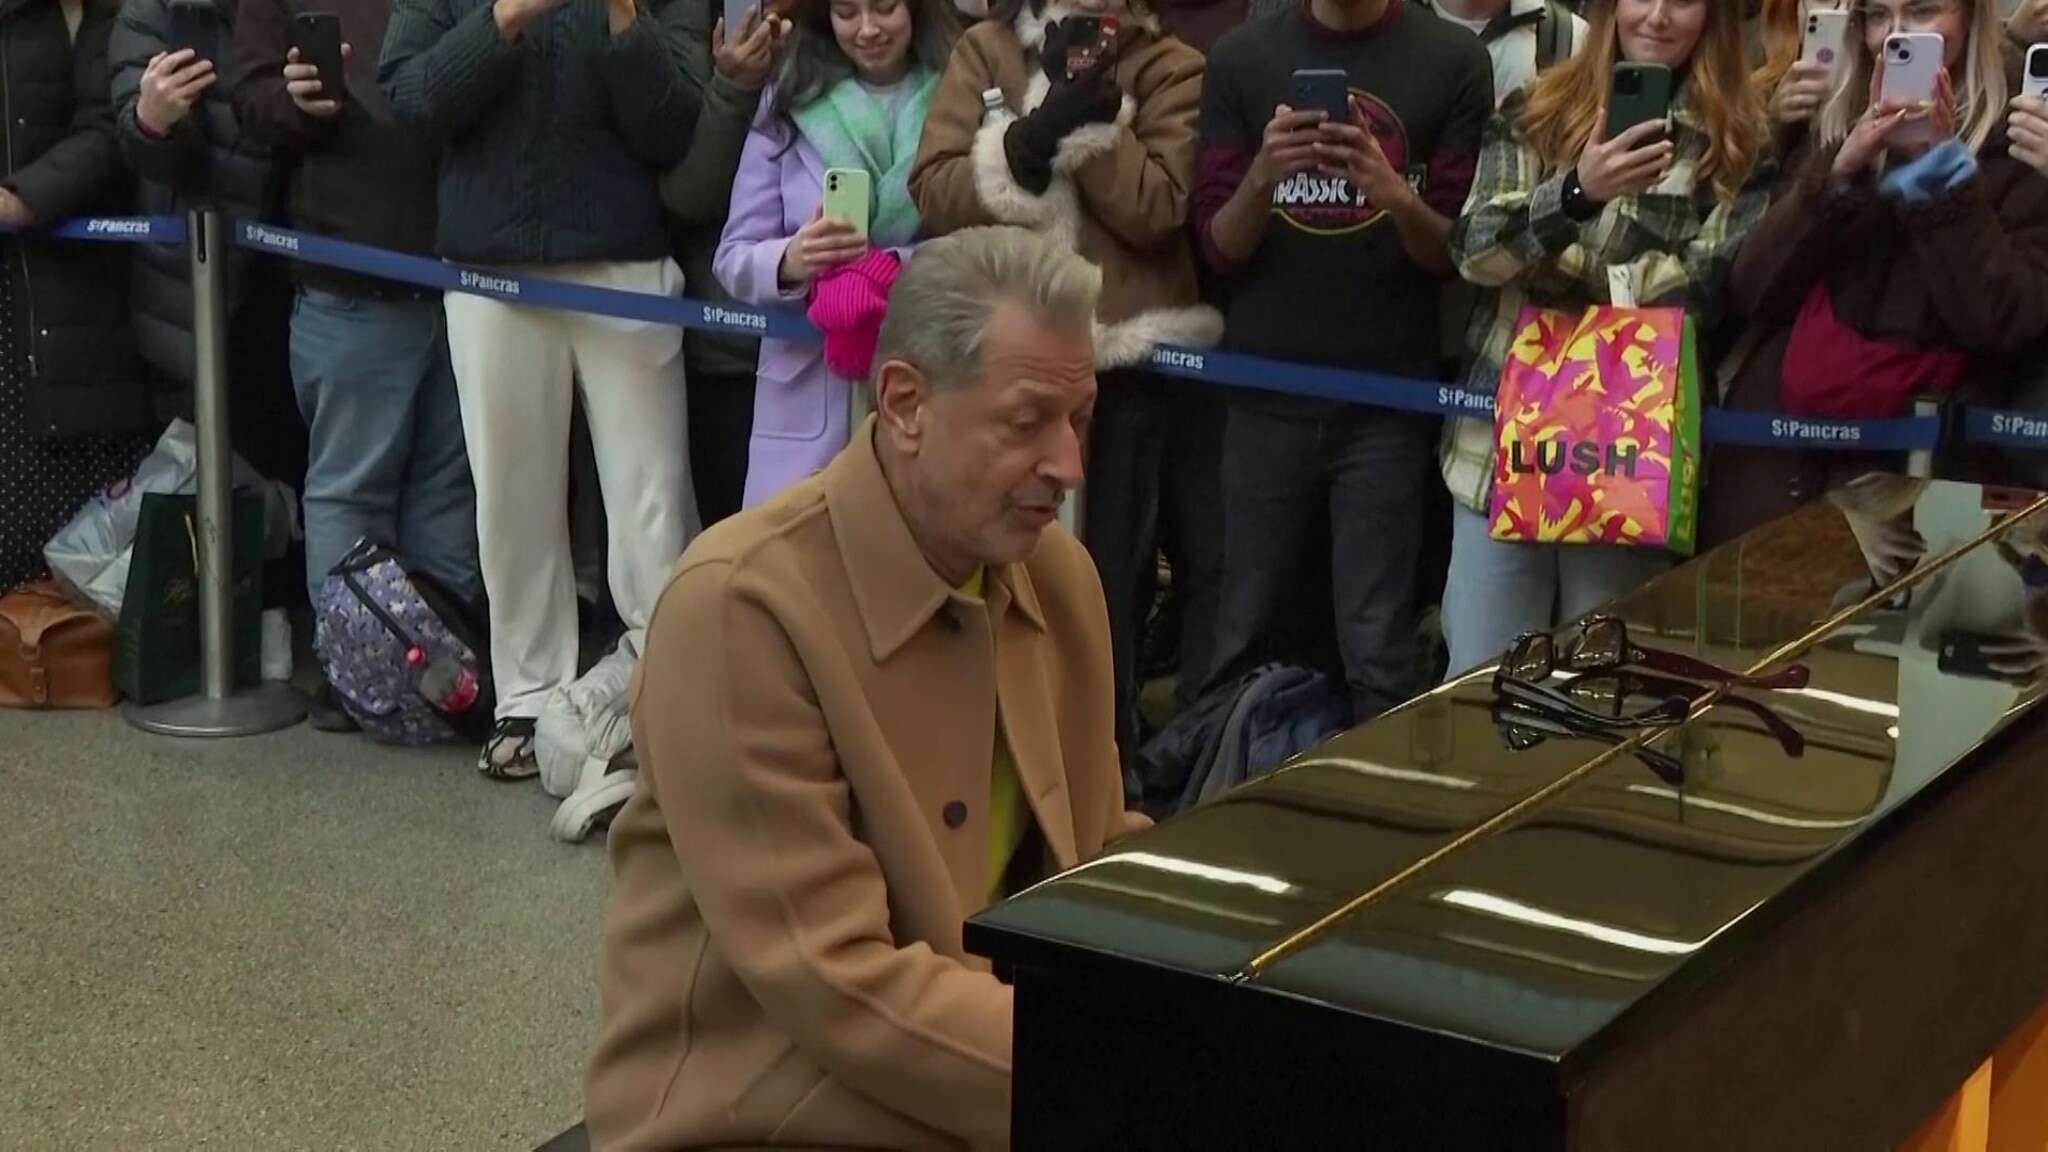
(195, 26)
(1962, 654)
(1323, 89)
(1640, 93)
(1088, 40)
(317, 36)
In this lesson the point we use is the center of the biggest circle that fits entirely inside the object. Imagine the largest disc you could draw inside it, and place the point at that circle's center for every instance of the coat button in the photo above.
(955, 814)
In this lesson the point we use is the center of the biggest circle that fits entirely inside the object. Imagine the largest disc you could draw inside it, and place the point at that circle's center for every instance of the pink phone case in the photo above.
(1912, 67)
(1912, 71)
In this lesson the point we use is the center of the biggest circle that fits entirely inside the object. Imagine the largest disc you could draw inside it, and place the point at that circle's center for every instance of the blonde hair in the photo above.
(1557, 120)
(1980, 98)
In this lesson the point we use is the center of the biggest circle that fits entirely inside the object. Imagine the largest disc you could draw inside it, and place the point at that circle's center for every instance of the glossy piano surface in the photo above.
(1544, 934)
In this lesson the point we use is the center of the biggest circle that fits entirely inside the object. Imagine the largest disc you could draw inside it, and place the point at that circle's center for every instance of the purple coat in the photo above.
(801, 409)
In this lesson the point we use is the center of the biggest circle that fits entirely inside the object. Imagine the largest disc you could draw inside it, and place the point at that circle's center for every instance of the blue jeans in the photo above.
(1499, 589)
(386, 459)
(1322, 518)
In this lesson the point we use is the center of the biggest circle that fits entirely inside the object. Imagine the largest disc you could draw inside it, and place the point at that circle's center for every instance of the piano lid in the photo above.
(1447, 869)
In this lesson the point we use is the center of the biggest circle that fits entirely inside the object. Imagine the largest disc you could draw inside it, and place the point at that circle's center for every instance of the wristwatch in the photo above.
(1576, 203)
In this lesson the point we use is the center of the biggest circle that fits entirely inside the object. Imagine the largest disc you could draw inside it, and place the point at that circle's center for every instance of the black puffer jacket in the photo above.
(71, 309)
(551, 146)
(205, 159)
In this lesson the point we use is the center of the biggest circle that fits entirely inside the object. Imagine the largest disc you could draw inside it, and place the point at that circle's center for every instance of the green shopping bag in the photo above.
(156, 655)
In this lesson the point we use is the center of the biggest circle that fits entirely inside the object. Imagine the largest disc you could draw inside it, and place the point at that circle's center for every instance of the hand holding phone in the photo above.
(1910, 77)
(172, 85)
(819, 246)
(2019, 656)
(1287, 147)
(1807, 84)
(1347, 147)
(2027, 123)
(744, 51)
(315, 73)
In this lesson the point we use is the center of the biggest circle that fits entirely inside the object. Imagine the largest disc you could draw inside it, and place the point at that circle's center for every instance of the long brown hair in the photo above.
(1557, 119)
(1783, 37)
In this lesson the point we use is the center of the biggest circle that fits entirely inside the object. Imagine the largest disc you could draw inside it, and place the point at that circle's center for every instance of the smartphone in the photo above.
(1089, 39)
(1640, 94)
(2034, 81)
(846, 197)
(1325, 90)
(194, 25)
(1826, 34)
(317, 36)
(1912, 68)
(1962, 654)
(736, 18)
(1912, 71)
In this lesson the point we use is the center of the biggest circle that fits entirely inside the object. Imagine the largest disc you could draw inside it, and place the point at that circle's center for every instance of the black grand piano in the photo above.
(1798, 920)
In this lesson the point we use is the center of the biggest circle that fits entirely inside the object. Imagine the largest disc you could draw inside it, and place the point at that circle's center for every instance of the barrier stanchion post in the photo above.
(218, 709)
(1920, 461)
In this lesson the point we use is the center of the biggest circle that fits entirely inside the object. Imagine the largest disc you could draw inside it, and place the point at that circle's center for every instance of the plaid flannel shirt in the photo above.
(1515, 241)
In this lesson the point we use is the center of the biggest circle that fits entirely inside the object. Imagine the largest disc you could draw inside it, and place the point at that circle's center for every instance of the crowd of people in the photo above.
(1839, 255)
(886, 691)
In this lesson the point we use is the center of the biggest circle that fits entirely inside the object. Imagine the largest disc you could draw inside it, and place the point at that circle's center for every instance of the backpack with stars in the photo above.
(406, 658)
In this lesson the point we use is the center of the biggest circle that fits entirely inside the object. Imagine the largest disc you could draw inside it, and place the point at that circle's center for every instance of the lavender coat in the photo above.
(801, 408)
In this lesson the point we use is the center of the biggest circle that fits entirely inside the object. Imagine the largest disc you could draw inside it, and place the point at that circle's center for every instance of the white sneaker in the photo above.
(602, 789)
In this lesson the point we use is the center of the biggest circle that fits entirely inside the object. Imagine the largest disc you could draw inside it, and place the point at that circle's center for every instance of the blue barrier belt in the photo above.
(1775, 430)
(515, 288)
(112, 230)
(2026, 430)
(1430, 397)
(1373, 389)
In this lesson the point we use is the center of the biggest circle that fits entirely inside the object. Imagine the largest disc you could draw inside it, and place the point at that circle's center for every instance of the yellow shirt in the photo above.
(1009, 814)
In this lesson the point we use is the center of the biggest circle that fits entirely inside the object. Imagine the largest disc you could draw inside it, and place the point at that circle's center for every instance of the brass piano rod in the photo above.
(1305, 936)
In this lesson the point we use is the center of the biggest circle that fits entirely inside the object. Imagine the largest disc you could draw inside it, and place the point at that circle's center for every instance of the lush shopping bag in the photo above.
(1597, 430)
(156, 657)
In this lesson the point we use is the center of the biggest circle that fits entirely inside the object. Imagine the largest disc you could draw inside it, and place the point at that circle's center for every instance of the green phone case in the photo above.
(1639, 94)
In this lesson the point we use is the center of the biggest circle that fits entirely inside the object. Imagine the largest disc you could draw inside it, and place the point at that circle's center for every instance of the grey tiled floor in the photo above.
(289, 941)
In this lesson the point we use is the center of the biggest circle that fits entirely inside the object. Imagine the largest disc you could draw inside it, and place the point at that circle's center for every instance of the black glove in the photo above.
(1090, 98)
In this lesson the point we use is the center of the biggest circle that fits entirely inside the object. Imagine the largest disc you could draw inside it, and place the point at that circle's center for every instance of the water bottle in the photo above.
(446, 686)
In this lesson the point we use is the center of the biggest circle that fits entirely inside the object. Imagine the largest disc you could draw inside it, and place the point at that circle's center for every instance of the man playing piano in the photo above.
(867, 710)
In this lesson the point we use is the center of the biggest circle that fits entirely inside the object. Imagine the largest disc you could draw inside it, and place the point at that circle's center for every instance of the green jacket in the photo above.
(696, 191)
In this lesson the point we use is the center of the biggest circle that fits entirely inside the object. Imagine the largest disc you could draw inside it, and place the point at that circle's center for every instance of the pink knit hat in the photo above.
(847, 304)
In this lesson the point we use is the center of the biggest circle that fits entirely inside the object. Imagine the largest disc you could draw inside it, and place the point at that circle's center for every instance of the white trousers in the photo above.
(517, 371)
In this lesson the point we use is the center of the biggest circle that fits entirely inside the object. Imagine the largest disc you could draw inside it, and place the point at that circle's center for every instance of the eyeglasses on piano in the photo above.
(1603, 644)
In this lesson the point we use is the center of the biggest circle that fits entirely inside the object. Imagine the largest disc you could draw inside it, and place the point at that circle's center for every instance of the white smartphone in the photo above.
(1912, 71)
(1826, 33)
(2034, 81)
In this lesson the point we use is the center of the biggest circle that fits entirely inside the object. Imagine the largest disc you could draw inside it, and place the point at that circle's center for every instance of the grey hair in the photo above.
(940, 306)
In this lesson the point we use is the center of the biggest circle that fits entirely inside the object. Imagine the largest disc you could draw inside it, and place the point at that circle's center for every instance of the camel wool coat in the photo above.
(815, 717)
